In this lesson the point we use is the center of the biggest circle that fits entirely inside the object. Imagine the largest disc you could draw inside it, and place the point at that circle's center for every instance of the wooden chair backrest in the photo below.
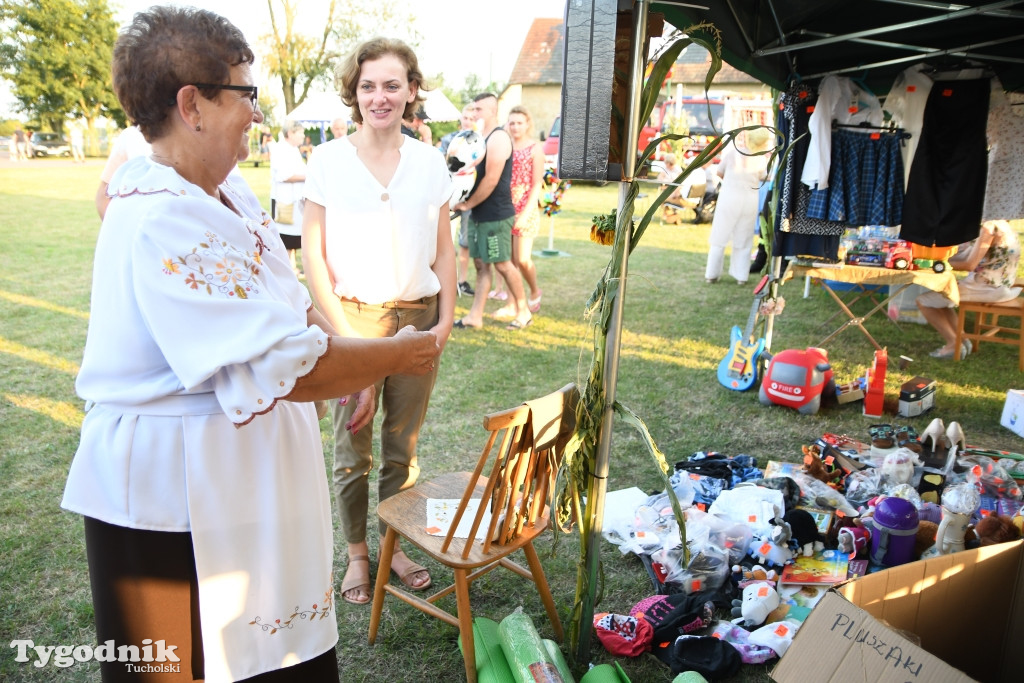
(519, 474)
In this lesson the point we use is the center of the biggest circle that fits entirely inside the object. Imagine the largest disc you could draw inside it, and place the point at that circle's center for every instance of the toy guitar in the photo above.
(738, 370)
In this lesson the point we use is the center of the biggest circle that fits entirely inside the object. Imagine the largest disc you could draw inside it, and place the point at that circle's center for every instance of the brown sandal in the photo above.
(408, 576)
(350, 583)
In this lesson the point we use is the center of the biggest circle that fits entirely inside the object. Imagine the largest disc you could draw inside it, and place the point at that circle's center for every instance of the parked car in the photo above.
(49, 145)
(551, 141)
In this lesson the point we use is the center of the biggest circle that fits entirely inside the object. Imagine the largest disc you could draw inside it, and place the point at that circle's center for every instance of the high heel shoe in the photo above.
(935, 445)
(933, 436)
(955, 437)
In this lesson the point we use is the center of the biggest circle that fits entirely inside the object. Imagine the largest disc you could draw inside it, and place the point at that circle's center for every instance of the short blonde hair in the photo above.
(346, 75)
(520, 109)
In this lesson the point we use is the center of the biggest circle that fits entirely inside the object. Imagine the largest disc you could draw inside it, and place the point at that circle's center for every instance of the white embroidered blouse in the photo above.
(197, 328)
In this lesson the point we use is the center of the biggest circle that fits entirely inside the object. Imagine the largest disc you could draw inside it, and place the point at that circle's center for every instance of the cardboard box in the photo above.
(1013, 412)
(916, 397)
(967, 609)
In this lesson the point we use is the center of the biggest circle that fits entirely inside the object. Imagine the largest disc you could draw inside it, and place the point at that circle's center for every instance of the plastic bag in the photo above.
(754, 506)
(989, 477)
(864, 485)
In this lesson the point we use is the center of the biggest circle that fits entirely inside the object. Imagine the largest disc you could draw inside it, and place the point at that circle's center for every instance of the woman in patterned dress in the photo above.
(527, 177)
(992, 260)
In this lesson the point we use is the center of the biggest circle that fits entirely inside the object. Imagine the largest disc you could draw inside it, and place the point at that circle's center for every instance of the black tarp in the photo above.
(868, 40)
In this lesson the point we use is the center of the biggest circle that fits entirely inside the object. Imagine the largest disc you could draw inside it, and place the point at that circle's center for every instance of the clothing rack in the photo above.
(904, 135)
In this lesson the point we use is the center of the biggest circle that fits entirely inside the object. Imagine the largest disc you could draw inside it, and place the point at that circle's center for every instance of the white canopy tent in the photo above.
(321, 108)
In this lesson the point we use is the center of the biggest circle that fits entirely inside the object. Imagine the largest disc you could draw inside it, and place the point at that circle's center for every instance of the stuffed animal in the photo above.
(804, 531)
(925, 537)
(814, 467)
(996, 529)
(769, 553)
(853, 540)
(759, 599)
(743, 577)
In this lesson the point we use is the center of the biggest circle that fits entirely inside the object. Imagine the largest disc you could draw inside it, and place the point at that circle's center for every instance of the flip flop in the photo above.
(534, 304)
(516, 325)
(462, 326)
(357, 582)
(407, 577)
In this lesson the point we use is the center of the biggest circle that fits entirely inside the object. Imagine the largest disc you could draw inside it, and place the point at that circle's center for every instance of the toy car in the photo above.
(900, 256)
(796, 379)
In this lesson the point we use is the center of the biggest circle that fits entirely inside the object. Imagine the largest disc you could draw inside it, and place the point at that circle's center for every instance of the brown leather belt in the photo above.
(420, 304)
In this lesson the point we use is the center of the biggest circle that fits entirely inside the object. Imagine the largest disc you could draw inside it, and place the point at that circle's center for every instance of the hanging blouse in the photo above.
(1004, 192)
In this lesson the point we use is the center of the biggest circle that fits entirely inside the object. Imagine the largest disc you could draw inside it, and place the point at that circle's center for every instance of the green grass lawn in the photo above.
(676, 332)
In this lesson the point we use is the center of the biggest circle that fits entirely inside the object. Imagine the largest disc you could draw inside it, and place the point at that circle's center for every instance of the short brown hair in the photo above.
(166, 48)
(346, 75)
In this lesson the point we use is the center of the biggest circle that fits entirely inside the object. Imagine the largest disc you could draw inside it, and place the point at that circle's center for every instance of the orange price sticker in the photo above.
(752, 518)
(810, 109)
(765, 549)
(762, 592)
(876, 136)
(782, 630)
(830, 459)
(947, 92)
(695, 477)
(695, 586)
(911, 88)
(852, 110)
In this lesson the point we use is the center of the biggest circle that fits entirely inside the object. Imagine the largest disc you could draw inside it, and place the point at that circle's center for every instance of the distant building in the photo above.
(536, 79)
(691, 68)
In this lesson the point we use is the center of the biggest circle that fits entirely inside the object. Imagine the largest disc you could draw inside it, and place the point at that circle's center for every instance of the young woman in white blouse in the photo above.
(378, 255)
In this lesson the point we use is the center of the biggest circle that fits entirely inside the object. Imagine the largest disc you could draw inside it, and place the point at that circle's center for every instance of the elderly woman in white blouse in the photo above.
(200, 467)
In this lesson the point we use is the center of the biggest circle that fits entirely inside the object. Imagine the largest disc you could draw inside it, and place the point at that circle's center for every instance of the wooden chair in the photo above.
(989, 328)
(504, 498)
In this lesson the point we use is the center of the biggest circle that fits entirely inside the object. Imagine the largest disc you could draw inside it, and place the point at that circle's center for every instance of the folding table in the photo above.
(897, 281)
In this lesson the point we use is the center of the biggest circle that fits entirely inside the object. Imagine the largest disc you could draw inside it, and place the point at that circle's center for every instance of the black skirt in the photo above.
(946, 188)
(144, 586)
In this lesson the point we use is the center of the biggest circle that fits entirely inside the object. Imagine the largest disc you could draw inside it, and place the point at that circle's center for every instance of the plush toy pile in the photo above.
(764, 545)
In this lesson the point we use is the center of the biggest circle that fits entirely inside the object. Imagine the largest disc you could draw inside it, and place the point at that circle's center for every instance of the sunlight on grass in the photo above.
(39, 303)
(682, 352)
(37, 356)
(58, 411)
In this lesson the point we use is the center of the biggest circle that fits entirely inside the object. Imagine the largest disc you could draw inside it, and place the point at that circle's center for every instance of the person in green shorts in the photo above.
(491, 219)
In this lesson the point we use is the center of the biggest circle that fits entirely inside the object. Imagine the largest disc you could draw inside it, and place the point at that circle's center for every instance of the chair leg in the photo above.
(387, 549)
(465, 623)
(542, 587)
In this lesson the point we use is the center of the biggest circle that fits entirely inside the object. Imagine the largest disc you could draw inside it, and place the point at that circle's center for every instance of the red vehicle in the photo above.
(704, 118)
(900, 256)
(550, 146)
(797, 379)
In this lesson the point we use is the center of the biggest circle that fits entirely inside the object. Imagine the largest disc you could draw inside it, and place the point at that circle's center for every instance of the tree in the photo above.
(56, 54)
(296, 59)
(301, 60)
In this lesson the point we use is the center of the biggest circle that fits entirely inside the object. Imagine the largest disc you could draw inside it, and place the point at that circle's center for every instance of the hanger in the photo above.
(887, 129)
(951, 67)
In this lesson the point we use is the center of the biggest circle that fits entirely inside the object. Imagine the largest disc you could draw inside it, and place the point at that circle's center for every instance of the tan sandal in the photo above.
(410, 574)
(355, 583)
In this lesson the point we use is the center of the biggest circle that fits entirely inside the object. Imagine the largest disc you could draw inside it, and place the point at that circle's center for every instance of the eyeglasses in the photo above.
(242, 88)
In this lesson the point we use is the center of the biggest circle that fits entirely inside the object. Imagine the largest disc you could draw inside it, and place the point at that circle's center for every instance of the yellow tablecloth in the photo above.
(868, 275)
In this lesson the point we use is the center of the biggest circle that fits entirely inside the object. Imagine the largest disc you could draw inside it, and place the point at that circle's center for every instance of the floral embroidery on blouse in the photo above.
(317, 611)
(218, 265)
(998, 267)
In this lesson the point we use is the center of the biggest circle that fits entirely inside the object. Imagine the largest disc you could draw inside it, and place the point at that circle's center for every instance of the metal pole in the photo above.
(613, 338)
